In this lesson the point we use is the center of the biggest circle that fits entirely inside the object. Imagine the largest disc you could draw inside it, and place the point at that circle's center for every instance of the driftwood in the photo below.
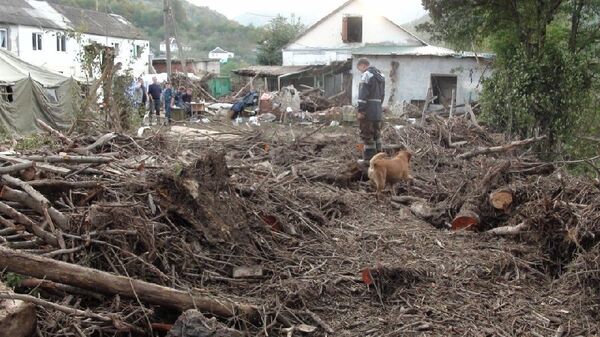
(107, 283)
(98, 143)
(66, 140)
(60, 219)
(31, 226)
(62, 184)
(71, 159)
(41, 166)
(58, 287)
(502, 148)
(509, 230)
(16, 167)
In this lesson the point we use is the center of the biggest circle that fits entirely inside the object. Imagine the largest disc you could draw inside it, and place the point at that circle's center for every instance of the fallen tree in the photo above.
(107, 283)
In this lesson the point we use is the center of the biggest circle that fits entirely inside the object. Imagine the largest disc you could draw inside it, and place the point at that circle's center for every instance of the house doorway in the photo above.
(442, 86)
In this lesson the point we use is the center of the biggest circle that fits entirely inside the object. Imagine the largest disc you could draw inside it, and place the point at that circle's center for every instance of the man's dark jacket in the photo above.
(371, 92)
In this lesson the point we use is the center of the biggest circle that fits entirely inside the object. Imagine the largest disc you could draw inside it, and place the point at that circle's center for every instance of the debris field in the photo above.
(275, 231)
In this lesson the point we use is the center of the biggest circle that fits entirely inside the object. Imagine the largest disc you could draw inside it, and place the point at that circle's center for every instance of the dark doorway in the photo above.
(442, 86)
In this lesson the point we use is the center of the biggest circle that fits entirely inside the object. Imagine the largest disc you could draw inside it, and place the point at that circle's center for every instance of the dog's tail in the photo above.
(377, 157)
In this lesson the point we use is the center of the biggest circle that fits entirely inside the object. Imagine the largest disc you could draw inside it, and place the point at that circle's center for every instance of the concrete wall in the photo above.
(324, 44)
(68, 62)
(414, 76)
(212, 66)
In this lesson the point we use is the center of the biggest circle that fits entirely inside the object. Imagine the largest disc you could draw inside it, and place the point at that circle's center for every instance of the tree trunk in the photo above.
(107, 283)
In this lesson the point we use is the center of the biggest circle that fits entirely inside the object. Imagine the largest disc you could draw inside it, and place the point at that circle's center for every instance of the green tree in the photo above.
(542, 81)
(279, 32)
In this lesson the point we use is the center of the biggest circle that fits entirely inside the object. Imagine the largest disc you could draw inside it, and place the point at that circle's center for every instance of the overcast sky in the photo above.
(401, 11)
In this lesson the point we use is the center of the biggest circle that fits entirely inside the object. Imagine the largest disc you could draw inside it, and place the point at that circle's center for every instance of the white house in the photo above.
(333, 38)
(54, 36)
(220, 54)
(174, 47)
(410, 65)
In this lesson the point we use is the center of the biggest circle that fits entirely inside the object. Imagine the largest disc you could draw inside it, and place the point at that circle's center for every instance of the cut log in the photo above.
(467, 218)
(502, 148)
(501, 199)
(107, 283)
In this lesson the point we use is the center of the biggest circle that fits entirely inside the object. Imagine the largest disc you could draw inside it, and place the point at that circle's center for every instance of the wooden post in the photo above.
(452, 103)
(427, 100)
(166, 11)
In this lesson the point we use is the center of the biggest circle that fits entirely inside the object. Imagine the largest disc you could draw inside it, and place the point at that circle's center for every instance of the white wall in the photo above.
(327, 37)
(68, 62)
(414, 76)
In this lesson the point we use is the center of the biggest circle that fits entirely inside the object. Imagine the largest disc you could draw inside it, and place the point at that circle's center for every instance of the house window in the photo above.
(61, 42)
(352, 28)
(36, 39)
(3, 38)
(137, 51)
(117, 49)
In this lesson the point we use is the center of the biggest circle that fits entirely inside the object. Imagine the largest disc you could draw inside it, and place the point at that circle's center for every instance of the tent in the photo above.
(28, 92)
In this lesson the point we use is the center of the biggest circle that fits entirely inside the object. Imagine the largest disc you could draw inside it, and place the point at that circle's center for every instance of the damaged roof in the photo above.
(395, 50)
(42, 14)
(98, 23)
(270, 70)
(334, 67)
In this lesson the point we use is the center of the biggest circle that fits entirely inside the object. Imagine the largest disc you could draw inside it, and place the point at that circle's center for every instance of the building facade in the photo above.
(54, 37)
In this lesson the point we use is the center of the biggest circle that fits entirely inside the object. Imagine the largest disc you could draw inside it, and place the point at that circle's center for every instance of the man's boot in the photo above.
(368, 153)
(378, 146)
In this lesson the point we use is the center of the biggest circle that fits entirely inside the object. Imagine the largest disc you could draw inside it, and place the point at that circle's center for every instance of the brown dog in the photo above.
(387, 172)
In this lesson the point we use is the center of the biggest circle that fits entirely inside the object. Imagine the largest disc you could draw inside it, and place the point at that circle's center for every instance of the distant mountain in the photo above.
(200, 28)
(259, 20)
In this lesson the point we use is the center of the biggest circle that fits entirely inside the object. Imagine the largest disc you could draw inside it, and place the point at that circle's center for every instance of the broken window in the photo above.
(36, 39)
(442, 86)
(3, 38)
(61, 42)
(352, 29)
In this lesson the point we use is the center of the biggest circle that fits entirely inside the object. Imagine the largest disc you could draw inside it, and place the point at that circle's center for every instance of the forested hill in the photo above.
(198, 27)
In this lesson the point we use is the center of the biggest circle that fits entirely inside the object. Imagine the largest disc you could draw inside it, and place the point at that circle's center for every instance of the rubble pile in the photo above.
(274, 230)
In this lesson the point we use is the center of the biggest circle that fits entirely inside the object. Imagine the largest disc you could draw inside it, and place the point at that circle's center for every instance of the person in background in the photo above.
(178, 97)
(140, 97)
(154, 93)
(187, 101)
(169, 99)
(370, 111)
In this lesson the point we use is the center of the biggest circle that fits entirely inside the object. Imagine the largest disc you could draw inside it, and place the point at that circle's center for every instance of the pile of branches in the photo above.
(86, 220)
(467, 178)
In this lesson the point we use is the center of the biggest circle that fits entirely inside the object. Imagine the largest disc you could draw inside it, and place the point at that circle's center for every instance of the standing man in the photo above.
(169, 98)
(371, 92)
(154, 92)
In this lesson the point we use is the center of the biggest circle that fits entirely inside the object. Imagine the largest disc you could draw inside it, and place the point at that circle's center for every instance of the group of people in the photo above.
(156, 96)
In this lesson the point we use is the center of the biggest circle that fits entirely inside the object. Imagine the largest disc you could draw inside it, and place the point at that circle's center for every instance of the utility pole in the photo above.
(166, 15)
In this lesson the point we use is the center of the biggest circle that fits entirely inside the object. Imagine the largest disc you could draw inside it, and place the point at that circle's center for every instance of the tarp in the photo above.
(36, 93)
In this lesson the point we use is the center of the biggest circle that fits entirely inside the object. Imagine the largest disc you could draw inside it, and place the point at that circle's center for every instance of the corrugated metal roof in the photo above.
(416, 51)
(51, 16)
(270, 70)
